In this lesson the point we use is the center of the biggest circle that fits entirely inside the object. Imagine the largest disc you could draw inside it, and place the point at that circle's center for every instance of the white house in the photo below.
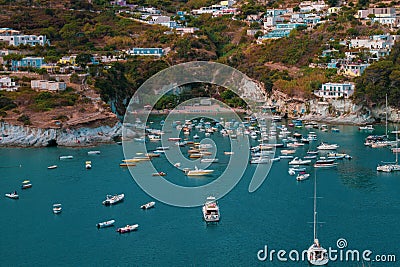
(184, 30)
(15, 38)
(353, 69)
(308, 6)
(335, 90)
(48, 85)
(7, 84)
(272, 21)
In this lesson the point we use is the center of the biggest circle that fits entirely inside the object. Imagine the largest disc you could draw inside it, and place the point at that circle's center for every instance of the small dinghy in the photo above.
(159, 174)
(88, 164)
(13, 195)
(57, 208)
(128, 228)
(148, 205)
(302, 176)
(26, 184)
(66, 157)
(105, 224)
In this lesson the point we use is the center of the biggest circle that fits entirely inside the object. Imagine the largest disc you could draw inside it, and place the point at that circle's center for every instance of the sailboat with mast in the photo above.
(391, 166)
(316, 254)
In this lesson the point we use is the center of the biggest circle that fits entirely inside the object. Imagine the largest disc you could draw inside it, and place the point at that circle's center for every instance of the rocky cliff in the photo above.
(332, 110)
(12, 135)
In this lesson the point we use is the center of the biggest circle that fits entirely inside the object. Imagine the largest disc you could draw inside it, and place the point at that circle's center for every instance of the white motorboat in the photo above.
(211, 210)
(128, 228)
(207, 160)
(105, 224)
(52, 167)
(57, 208)
(199, 172)
(299, 161)
(66, 157)
(288, 151)
(366, 128)
(316, 254)
(26, 184)
(162, 148)
(148, 205)
(324, 163)
(260, 160)
(324, 146)
(95, 152)
(111, 200)
(310, 157)
(88, 164)
(13, 195)
(302, 176)
(286, 157)
(293, 171)
(384, 168)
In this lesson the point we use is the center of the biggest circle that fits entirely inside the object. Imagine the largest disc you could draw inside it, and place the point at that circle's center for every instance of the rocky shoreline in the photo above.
(23, 136)
(332, 112)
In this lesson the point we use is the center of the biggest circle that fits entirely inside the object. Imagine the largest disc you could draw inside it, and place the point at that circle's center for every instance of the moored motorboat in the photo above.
(128, 228)
(293, 171)
(211, 210)
(302, 176)
(208, 160)
(111, 200)
(159, 174)
(66, 157)
(299, 161)
(324, 146)
(148, 205)
(199, 172)
(95, 152)
(260, 160)
(105, 224)
(384, 168)
(324, 163)
(137, 159)
(366, 128)
(13, 195)
(26, 184)
(57, 208)
(127, 164)
(88, 164)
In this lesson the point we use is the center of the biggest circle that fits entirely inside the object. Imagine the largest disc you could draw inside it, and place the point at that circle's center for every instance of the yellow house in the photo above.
(224, 3)
(332, 10)
(68, 60)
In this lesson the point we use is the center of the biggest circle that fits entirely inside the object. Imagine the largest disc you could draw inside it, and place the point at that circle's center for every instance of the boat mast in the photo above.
(386, 113)
(315, 206)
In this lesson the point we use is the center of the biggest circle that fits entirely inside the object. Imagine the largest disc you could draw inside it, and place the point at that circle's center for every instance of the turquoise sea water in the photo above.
(357, 204)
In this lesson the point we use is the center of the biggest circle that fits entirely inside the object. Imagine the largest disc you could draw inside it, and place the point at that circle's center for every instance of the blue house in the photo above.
(275, 34)
(275, 12)
(27, 62)
(289, 26)
(146, 52)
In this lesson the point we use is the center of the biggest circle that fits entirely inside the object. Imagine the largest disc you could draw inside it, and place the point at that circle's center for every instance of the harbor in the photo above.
(357, 203)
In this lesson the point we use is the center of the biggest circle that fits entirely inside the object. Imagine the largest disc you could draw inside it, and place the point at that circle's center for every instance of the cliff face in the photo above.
(332, 110)
(12, 135)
